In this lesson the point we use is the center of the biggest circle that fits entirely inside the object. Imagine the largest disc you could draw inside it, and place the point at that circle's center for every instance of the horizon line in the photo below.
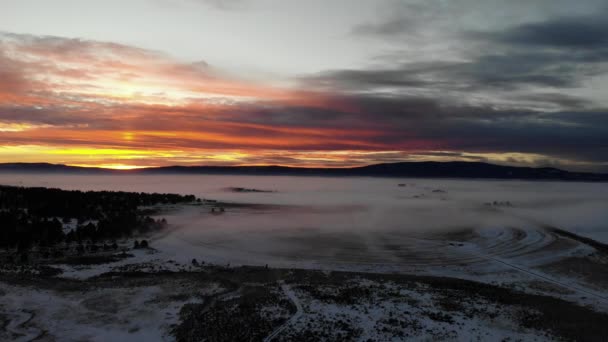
(127, 167)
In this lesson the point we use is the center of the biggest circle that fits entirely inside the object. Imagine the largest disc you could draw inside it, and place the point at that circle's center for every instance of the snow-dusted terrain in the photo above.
(504, 234)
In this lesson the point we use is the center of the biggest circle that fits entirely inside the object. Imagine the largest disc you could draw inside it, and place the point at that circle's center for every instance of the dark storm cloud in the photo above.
(556, 52)
(583, 32)
(554, 99)
(515, 69)
(563, 50)
(418, 122)
(516, 65)
(352, 111)
(356, 79)
(506, 71)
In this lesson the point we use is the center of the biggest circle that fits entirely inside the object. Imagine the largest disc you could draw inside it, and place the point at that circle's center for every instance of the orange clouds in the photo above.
(78, 101)
(83, 102)
(99, 71)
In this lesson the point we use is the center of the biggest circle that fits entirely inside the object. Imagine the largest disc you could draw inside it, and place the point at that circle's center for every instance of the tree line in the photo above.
(38, 215)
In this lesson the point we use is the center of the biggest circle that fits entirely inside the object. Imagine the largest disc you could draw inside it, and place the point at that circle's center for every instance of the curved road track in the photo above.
(292, 296)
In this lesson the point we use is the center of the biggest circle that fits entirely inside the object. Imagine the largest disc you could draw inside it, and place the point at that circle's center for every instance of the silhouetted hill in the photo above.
(49, 168)
(405, 169)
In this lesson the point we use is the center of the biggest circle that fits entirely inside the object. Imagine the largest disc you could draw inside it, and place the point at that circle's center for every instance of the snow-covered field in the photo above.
(493, 232)
(372, 222)
(119, 312)
(361, 205)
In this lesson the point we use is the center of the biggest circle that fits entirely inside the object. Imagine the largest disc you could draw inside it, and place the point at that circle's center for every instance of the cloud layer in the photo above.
(515, 95)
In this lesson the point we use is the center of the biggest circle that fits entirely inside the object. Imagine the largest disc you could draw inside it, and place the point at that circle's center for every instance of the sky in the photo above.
(125, 84)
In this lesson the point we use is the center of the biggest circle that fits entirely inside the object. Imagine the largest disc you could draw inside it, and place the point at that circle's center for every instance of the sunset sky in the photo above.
(126, 84)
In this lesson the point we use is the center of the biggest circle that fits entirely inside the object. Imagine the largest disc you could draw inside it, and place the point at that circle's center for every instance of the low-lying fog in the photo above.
(346, 218)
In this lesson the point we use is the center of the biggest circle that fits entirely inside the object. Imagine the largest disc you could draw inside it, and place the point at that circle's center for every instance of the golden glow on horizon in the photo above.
(113, 166)
(127, 159)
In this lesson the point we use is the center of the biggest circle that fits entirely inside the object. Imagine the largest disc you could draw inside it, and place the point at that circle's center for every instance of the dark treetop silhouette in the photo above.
(34, 215)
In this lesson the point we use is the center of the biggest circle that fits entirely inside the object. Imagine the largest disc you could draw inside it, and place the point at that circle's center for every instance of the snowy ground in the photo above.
(370, 227)
(151, 297)
(105, 313)
(395, 312)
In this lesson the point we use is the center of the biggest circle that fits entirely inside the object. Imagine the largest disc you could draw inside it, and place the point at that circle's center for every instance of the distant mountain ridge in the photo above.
(404, 169)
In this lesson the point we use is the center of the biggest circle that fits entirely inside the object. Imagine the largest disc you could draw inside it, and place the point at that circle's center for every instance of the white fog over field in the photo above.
(319, 221)
(407, 245)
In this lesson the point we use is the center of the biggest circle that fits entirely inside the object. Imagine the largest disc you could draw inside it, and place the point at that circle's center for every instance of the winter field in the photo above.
(332, 259)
